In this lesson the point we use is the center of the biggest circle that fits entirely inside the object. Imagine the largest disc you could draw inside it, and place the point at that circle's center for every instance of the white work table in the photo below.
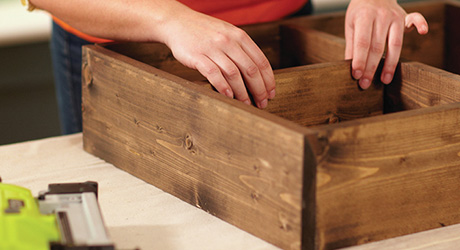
(138, 214)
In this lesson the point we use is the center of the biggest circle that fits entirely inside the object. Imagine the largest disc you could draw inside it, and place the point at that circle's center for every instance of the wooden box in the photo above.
(325, 166)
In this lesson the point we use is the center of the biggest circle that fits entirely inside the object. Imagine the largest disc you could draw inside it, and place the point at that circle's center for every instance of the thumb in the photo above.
(416, 20)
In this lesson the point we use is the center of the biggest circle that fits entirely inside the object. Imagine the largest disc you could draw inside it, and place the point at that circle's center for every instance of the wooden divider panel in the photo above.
(323, 93)
(331, 23)
(420, 86)
(302, 46)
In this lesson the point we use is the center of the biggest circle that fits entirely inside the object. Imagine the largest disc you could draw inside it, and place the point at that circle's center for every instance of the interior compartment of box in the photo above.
(277, 46)
(266, 36)
(439, 48)
(331, 95)
(314, 39)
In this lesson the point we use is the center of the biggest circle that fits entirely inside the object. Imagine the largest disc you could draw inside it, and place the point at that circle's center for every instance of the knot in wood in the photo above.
(137, 122)
(87, 75)
(333, 119)
(159, 128)
(188, 142)
(255, 196)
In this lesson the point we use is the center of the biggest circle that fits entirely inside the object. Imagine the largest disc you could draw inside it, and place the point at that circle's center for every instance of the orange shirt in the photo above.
(237, 12)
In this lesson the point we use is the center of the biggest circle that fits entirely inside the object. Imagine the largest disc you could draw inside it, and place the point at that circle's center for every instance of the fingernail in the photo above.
(365, 83)
(228, 93)
(247, 102)
(357, 74)
(272, 94)
(424, 28)
(263, 104)
(387, 78)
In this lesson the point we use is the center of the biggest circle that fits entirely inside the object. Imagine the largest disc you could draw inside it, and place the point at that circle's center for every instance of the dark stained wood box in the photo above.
(325, 166)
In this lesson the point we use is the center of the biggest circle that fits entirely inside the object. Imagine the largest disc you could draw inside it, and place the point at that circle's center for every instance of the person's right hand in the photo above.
(222, 53)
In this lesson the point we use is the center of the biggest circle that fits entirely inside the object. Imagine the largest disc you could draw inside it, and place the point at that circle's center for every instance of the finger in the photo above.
(417, 20)
(262, 63)
(349, 34)
(395, 41)
(251, 75)
(361, 44)
(232, 75)
(212, 72)
(379, 35)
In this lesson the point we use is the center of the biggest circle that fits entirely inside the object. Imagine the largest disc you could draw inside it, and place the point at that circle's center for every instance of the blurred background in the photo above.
(28, 108)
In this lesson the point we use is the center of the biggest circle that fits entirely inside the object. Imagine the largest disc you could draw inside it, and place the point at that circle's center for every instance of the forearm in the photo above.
(221, 52)
(133, 20)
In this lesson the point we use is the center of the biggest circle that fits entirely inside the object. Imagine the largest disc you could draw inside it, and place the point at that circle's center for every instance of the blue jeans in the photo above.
(66, 57)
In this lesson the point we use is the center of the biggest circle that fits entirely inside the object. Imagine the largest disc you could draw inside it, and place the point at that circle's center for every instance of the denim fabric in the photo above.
(66, 57)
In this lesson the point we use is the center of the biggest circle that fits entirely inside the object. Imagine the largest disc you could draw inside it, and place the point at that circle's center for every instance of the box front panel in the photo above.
(210, 151)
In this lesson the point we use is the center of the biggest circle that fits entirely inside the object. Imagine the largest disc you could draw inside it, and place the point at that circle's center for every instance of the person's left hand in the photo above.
(369, 26)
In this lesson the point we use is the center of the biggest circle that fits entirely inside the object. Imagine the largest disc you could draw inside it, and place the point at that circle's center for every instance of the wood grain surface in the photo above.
(370, 177)
(419, 85)
(238, 163)
(323, 93)
(389, 175)
(302, 46)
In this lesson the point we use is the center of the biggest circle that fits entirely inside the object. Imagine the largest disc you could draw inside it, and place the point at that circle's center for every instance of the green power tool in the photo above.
(64, 217)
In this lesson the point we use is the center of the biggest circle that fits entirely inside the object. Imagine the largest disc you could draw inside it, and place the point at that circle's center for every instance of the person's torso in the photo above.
(237, 12)
(241, 12)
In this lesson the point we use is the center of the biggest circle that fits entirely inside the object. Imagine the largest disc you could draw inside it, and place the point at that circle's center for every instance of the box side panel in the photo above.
(302, 46)
(331, 23)
(157, 55)
(419, 85)
(387, 176)
(267, 37)
(218, 154)
(323, 93)
(429, 48)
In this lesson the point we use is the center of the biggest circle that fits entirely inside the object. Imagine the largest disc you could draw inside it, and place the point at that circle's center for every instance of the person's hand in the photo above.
(222, 53)
(369, 25)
